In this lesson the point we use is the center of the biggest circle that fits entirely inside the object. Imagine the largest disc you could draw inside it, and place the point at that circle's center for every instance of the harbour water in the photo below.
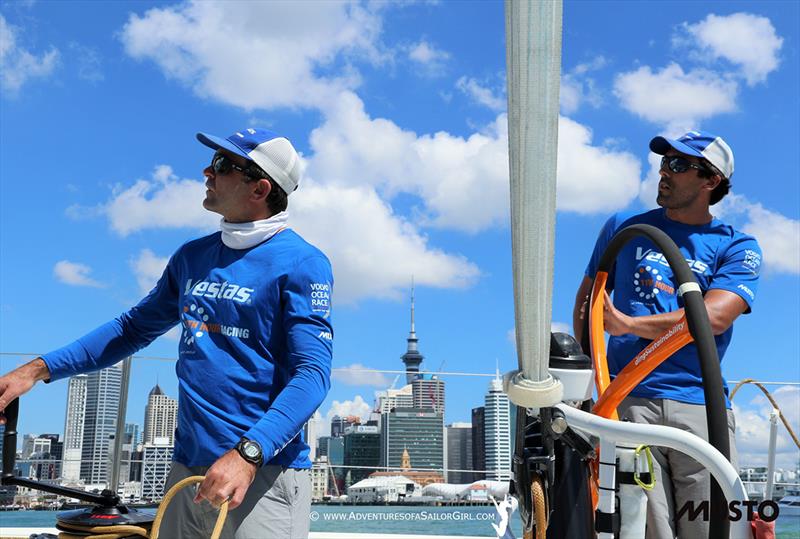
(475, 521)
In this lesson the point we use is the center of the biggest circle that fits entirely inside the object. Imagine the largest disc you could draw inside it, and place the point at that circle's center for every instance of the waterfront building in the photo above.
(382, 489)
(419, 477)
(103, 391)
(497, 432)
(73, 428)
(420, 431)
(156, 463)
(160, 416)
(362, 449)
(459, 452)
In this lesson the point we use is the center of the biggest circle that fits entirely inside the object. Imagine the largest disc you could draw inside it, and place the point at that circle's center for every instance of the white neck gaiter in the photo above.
(246, 235)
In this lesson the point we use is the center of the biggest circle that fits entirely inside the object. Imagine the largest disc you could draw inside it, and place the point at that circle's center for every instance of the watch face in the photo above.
(251, 450)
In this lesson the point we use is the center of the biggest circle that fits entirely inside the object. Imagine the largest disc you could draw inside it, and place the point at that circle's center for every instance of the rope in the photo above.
(148, 531)
(540, 515)
(763, 389)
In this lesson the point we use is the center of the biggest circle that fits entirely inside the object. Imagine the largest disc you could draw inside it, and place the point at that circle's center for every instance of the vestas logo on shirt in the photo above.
(658, 258)
(213, 290)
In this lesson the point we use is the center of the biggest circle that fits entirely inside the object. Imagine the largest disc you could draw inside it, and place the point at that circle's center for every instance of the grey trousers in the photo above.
(277, 506)
(679, 478)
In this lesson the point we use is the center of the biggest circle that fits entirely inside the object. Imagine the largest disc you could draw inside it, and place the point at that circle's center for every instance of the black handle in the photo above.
(11, 414)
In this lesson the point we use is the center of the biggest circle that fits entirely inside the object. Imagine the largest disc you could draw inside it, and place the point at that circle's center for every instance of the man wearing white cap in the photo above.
(695, 173)
(254, 303)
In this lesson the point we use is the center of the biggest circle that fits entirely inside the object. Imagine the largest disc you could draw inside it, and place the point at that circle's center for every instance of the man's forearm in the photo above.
(650, 327)
(36, 370)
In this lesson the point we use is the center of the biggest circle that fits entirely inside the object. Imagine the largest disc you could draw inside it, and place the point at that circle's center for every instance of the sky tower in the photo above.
(412, 358)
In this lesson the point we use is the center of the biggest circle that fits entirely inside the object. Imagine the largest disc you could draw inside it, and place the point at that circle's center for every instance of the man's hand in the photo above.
(227, 479)
(20, 381)
(615, 322)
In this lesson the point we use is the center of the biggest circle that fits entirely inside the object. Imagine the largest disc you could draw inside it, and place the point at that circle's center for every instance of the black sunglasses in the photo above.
(222, 164)
(679, 164)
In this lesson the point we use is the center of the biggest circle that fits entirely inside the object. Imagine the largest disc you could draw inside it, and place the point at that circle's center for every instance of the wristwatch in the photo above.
(250, 451)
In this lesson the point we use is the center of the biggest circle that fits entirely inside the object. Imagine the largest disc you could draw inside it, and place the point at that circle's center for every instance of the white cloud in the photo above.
(354, 375)
(777, 234)
(148, 269)
(752, 428)
(578, 88)
(195, 43)
(164, 201)
(428, 57)
(75, 274)
(674, 98)
(744, 39)
(462, 183)
(18, 65)
(591, 178)
(372, 250)
(89, 62)
(493, 99)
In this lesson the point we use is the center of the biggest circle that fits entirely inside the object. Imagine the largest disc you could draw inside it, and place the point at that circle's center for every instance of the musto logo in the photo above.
(196, 324)
(648, 283)
(737, 510)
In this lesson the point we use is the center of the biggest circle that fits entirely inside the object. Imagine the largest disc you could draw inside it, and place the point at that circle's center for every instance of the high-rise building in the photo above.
(320, 474)
(497, 432)
(395, 398)
(420, 431)
(156, 463)
(478, 442)
(103, 390)
(339, 424)
(133, 434)
(160, 416)
(362, 448)
(428, 392)
(73, 428)
(459, 453)
(311, 430)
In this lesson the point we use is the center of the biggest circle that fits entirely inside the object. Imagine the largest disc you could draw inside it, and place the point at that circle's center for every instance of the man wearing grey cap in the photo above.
(695, 174)
(254, 304)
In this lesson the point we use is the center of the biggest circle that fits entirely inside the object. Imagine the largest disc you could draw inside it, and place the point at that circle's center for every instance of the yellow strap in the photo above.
(649, 456)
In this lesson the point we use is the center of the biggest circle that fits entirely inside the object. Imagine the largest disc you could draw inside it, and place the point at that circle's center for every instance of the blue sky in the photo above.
(399, 112)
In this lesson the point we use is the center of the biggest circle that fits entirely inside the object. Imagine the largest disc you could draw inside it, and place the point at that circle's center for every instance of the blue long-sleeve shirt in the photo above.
(255, 351)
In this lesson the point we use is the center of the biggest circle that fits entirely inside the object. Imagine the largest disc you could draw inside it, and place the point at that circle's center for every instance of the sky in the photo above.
(399, 113)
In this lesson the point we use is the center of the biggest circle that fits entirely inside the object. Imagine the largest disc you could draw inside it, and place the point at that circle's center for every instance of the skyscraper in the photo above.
(478, 442)
(428, 392)
(412, 358)
(160, 416)
(420, 431)
(73, 428)
(395, 398)
(497, 432)
(459, 452)
(362, 448)
(103, 390)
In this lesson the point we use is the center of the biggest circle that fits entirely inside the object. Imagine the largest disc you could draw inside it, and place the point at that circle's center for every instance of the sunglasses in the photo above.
(679, 164)
(222, 164)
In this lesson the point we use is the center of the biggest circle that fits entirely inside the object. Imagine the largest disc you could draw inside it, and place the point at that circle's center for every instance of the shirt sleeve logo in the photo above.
(320, 295)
